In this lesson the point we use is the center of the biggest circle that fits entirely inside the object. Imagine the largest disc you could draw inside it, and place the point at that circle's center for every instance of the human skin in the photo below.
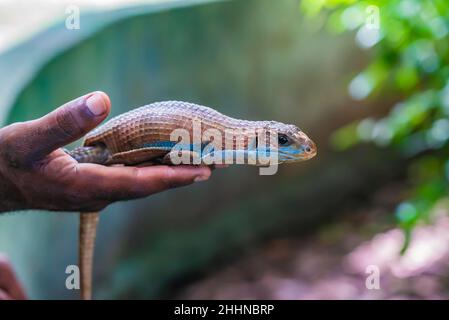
(10, 288)
(35, 173)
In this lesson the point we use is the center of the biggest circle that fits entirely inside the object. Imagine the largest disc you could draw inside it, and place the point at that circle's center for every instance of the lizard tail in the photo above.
(88, 220)
(92, 154)
(88, 230)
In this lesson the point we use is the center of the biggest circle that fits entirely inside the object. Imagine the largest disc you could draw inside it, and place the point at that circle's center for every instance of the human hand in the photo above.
(10, 288)
(36, 174)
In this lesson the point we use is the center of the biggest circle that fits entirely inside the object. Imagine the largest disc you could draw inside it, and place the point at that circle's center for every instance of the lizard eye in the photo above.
(283, 140)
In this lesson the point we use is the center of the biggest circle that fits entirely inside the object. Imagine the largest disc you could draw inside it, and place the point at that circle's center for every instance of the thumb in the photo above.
(68, 123)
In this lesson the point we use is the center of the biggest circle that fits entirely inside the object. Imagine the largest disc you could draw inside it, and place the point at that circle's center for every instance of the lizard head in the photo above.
(291, 144)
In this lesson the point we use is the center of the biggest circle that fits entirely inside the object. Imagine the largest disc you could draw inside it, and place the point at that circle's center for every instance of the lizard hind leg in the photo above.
(87, 234)
(92, 154)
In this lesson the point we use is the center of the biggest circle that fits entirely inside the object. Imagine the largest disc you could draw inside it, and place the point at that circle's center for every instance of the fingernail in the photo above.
(96, 104)
(203, 176)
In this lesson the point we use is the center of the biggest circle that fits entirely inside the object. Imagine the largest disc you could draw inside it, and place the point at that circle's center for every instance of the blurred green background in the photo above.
(254, 59)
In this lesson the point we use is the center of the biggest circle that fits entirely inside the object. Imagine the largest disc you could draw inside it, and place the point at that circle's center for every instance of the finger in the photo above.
(4, 295)
(66, 124)
(119, 183)
(9, 283)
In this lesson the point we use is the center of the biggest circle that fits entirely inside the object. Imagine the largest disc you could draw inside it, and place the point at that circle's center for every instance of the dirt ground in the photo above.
(341, 260)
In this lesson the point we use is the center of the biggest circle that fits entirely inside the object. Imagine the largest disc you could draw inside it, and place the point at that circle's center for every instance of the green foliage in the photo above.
(409, 47)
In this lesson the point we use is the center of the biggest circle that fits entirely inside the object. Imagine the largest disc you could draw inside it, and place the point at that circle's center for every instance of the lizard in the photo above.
(142, 136)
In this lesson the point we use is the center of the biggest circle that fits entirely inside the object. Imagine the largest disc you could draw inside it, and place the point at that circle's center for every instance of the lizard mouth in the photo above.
(310, 150)
(295, 154)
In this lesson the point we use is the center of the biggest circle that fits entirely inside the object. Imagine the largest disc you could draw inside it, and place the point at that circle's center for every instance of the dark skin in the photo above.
(35, 173)
(10, 288)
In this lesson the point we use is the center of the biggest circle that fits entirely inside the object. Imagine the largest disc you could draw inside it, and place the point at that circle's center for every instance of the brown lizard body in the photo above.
(143, 135)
